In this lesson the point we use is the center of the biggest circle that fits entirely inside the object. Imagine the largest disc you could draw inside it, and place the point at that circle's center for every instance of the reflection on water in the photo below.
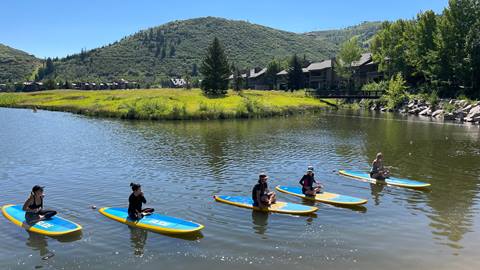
(260, 221)
(39, 243)
(138, 237)
(376, 192)
(86, 161)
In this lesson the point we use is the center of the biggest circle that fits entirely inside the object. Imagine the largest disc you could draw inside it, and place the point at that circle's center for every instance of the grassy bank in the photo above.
(160, 104)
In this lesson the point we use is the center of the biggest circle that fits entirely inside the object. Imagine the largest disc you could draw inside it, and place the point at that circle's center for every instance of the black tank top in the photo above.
(34, 205)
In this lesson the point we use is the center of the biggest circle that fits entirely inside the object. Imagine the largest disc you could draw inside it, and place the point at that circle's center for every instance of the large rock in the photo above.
(415, 110)
(427, 111)
(467, 108)
(449, 117)
(461, 103)
(459, 114)
(437, 113)
(473, 114)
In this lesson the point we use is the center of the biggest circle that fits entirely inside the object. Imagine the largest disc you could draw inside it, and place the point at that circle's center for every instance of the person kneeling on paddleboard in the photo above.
(378, 171)
(33, 207)
(135, 202)
(261, 196)
(308, 181)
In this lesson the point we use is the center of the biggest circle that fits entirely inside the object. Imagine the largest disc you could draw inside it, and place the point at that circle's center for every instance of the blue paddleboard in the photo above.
(393, 181)
(54, 226)
(278, 207)
(154, 222)
(325, 197)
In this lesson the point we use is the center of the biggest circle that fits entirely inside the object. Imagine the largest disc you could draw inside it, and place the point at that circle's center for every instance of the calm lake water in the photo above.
(85, 161)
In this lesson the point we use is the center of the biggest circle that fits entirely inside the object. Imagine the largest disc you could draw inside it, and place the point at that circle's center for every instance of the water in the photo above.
(181, 165)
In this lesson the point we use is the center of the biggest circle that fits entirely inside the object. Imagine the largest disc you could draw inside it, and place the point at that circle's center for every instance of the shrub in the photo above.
(396, 92)
(374, 86)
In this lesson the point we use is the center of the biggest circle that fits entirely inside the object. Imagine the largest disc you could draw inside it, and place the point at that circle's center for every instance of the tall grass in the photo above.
(164, 104)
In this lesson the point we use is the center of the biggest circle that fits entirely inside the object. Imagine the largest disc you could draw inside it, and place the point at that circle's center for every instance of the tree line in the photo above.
(436, 54)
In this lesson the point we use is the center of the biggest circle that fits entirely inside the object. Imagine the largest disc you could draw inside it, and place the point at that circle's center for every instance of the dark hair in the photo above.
(135, 186)
(37, 188)
(261, 176)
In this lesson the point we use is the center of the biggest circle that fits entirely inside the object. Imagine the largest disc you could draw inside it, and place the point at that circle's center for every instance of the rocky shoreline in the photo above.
(461, 111)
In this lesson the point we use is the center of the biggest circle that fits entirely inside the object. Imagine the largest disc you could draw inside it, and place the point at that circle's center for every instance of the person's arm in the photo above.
(374, 166)
(143, 199)
(302, 180)
(26, 204)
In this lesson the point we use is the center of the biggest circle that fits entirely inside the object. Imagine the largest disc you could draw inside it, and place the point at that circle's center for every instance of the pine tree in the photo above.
(271, 75)
(215, 70)
(194, 70)
(49, 67)
(237, 80)
(188, 81)
(295, 74)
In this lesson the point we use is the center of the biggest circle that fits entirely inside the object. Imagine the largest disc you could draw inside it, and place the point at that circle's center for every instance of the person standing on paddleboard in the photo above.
(308, 181)
(33, 207)
(378, 171)
(135, 202)
(262, 197)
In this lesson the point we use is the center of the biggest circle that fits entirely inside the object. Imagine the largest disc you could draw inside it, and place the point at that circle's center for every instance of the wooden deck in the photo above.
(347, 94)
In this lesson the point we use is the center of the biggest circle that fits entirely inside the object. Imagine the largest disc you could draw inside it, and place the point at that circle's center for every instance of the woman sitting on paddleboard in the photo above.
(33, 207)
(261, 196)
(307, 182)
(378, 171)
(135, 202)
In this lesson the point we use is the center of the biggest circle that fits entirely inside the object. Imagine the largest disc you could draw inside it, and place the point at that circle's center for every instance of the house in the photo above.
(257, 79)
(32, 86)
(177, 83)
(282, 79)
(366, 70)
(322, 75)
(243, 83)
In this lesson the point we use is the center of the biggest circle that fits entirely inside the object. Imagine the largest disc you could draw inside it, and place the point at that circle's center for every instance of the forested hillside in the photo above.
(176, 48)
(16, 65)
(364, 31)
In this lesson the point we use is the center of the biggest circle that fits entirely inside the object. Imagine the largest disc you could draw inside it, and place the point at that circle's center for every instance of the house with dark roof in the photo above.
(322, 75)
(257, 79)
(318, 75)
(282, 79)
(366, 70)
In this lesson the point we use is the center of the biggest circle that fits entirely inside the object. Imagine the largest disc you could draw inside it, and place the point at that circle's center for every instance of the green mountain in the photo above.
(16, 65)
(177, 48)
(173, 48)
(365, 31)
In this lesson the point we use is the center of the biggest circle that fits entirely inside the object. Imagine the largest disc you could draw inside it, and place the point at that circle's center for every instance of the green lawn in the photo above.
(158, 104)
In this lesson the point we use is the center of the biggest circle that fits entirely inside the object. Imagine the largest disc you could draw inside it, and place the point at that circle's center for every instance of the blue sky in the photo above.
(60, 27)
